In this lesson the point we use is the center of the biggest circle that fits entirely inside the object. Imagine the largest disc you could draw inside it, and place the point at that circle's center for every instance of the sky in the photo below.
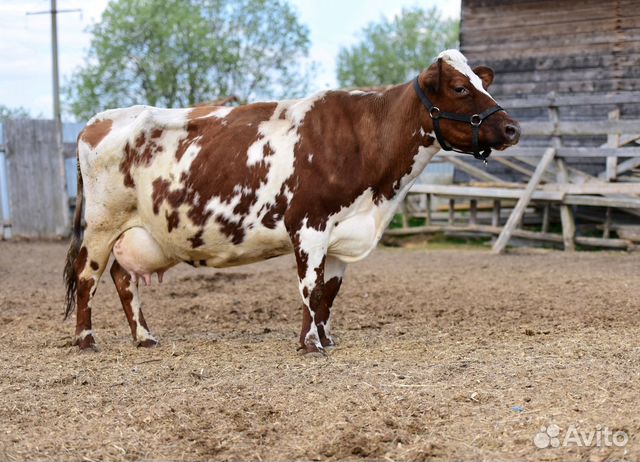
(25, 40)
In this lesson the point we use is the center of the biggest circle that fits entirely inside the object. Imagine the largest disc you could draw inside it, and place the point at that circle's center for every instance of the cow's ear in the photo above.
(486, 75)
(433, 76)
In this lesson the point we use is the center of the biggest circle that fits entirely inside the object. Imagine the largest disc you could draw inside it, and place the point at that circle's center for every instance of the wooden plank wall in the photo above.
(35, 170)
(566, 47)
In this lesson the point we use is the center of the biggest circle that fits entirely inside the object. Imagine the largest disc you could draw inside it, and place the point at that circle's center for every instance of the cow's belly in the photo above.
(259, 244)
(354, 238)
(357, 234)
(211, 246)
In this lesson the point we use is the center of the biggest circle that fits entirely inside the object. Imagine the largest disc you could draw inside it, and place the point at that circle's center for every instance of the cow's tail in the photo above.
(70, 276)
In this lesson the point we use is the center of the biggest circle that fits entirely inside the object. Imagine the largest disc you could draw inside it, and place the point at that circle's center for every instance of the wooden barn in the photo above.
(569, 71)
(568, 48)
(542, 46)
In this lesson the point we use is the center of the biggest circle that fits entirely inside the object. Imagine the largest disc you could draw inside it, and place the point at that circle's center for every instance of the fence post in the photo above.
(518, 211)
(613, 141)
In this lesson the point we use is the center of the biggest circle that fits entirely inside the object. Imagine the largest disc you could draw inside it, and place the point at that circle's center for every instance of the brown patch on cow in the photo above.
(187, 141)
(358, 143)
(94, 265)
(196, 240)
(331, 289)
(302, 258)
(122, 280)
(162, 191)
(83, 313)
(231, 229)
(276, 211)
(267, 150)
(81, 260)
(219, 169)
(173, 220)
(94, 133)
(145, 147)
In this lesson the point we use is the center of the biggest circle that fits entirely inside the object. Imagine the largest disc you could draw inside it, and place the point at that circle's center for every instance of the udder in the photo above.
(139, 254)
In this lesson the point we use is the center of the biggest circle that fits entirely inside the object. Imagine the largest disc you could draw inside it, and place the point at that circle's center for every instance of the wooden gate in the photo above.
(37, 189)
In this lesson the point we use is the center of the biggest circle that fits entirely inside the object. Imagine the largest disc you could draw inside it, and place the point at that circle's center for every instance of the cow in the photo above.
(217, 186)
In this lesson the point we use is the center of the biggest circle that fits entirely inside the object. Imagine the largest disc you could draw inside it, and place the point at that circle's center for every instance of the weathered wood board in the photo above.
(36, 177)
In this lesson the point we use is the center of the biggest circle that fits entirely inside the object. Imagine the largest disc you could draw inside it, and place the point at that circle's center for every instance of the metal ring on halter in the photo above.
(475, 120)
(434, 112)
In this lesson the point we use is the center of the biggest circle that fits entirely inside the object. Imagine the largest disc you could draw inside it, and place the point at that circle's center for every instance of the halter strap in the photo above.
(474, 120)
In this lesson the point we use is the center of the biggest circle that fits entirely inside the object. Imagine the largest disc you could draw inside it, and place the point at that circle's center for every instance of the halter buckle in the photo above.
(434, 112)
(475, 120)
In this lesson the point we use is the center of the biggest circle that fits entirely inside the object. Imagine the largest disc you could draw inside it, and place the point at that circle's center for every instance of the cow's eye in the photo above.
(460, 90)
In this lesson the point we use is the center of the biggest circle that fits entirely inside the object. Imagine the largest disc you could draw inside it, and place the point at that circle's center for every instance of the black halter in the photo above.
(474, 120)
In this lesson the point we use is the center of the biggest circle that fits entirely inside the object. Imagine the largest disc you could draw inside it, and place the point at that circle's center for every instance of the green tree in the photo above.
(182, 52)
(392, 51)
(13, 112)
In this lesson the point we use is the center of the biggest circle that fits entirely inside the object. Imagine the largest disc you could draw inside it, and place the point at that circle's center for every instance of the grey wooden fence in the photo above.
(35, 180)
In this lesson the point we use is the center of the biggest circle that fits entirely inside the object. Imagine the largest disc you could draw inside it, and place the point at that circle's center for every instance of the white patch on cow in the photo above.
(222, 112)
(296, 110)
(255, 153)
(83, 334)
(309, 157)
(142, 334)
(219, 112)
(459, 62)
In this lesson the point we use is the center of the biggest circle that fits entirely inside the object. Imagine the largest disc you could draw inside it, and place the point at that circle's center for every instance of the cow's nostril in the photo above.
(512, 132)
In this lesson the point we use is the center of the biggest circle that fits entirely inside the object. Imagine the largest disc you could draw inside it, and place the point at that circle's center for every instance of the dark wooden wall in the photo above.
(563, 46)
(566, 46)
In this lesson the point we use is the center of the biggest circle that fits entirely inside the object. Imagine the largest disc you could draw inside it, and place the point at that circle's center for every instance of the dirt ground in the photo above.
(443, 354)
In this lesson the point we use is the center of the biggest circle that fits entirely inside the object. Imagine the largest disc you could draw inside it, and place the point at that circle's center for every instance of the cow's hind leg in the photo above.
(333, 274)
(89, 265)
(130, 298)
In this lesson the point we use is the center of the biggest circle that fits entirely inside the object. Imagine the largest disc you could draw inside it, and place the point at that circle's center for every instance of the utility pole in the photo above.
(57, 117)
(54, 11)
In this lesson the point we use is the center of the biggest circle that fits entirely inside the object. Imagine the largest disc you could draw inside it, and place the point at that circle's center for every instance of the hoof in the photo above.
(147, 343)
(327, 343)
(87, 344)
(313, 350)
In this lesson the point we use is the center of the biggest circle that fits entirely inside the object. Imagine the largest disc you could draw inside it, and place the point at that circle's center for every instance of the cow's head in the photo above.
(453, 88)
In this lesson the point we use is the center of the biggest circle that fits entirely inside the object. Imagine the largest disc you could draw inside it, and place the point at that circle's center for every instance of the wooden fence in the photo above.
(551, 183)
(34, 181)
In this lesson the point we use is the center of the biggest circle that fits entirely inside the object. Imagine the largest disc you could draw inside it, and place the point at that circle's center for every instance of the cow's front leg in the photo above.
(333, 274)
(130, 298)
(310, 259)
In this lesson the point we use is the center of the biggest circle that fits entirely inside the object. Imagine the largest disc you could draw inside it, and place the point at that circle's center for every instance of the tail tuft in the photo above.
(70, 274)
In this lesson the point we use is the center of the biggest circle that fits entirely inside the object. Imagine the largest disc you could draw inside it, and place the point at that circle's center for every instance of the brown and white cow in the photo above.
(221, 186)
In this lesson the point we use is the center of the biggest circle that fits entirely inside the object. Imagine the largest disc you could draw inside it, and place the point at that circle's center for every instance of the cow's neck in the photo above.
(400, 146)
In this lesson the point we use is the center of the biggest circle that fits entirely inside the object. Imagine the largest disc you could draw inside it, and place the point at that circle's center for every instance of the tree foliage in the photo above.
(392, 51)
(13, 113)
(183, 52)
